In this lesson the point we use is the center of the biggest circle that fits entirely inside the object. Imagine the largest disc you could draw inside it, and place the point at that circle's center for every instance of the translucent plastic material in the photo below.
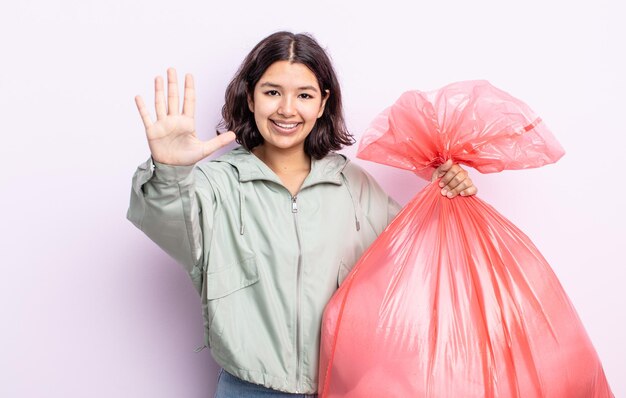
(452, 300)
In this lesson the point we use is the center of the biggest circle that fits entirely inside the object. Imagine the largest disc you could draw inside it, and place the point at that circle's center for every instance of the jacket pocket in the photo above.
(343, 272)
(227, 292)
(231, 278)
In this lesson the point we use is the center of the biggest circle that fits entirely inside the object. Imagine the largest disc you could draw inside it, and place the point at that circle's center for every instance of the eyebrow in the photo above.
(274, 85)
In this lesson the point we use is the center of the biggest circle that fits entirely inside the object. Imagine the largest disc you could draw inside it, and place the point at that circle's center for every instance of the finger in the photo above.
(453, 177)
(441, 170)
(143, 112)
(159, 98)
(189, 102)
(464, 185)
(172, 92)
(469, 191)
(216, 143)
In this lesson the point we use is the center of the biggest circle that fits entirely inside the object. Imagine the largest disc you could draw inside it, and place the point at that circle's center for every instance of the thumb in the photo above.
(218, 142)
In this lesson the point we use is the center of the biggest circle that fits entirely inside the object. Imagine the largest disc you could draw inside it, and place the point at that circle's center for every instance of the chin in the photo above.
(285, 144)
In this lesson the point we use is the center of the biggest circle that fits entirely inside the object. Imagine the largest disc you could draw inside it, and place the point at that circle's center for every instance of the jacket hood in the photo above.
(250, 168)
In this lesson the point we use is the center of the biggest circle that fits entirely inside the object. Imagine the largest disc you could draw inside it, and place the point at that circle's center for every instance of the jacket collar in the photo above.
(251, 168)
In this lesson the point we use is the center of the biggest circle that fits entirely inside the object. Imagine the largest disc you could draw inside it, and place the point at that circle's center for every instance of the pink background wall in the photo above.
(91, 307)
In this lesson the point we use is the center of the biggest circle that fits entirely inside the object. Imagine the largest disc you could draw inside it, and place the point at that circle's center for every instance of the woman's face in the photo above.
(286, 103)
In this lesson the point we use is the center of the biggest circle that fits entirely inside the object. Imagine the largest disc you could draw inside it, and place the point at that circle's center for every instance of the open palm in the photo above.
(172, 138)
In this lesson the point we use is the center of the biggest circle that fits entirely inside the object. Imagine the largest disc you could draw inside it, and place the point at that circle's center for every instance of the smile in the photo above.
(285, 127)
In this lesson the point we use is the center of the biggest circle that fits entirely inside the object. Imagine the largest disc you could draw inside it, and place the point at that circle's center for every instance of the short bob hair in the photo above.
(328, 134)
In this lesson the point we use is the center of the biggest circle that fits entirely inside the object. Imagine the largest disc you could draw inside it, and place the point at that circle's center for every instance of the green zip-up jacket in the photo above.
(265, 263)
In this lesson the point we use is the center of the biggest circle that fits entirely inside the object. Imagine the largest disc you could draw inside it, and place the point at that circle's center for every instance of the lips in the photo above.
(285, 128)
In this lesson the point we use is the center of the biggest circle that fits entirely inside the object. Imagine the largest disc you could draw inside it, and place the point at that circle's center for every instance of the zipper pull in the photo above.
(294, 204)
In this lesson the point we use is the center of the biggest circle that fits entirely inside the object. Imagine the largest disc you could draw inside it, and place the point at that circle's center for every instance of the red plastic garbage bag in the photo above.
(452, 300)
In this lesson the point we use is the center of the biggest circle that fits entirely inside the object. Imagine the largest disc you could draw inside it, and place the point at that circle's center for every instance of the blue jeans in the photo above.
(229, 386)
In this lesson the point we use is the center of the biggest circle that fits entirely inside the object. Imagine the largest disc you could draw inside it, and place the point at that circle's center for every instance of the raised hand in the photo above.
(172, 138)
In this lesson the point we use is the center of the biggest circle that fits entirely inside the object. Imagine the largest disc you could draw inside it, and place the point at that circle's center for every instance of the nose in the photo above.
(286, 107)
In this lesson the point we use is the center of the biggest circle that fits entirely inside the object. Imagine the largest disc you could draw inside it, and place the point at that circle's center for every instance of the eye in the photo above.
(272, 93)
(306, 96)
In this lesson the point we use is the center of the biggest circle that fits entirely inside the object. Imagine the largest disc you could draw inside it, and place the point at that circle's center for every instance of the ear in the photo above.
(323, 104)
(250, 102)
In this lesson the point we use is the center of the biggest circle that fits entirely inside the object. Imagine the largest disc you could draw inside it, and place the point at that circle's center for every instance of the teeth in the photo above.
(286, 126)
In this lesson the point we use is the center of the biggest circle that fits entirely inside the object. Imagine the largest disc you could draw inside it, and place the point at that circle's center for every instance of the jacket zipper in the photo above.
(294, 211)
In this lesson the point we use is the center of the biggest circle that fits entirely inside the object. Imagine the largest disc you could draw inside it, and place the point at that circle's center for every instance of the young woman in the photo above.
(268, 231)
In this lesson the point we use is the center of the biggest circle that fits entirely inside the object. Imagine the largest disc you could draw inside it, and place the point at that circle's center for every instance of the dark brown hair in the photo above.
(328, 134)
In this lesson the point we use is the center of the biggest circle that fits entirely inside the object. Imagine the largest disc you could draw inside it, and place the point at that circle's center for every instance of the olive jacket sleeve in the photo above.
(172, 205)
